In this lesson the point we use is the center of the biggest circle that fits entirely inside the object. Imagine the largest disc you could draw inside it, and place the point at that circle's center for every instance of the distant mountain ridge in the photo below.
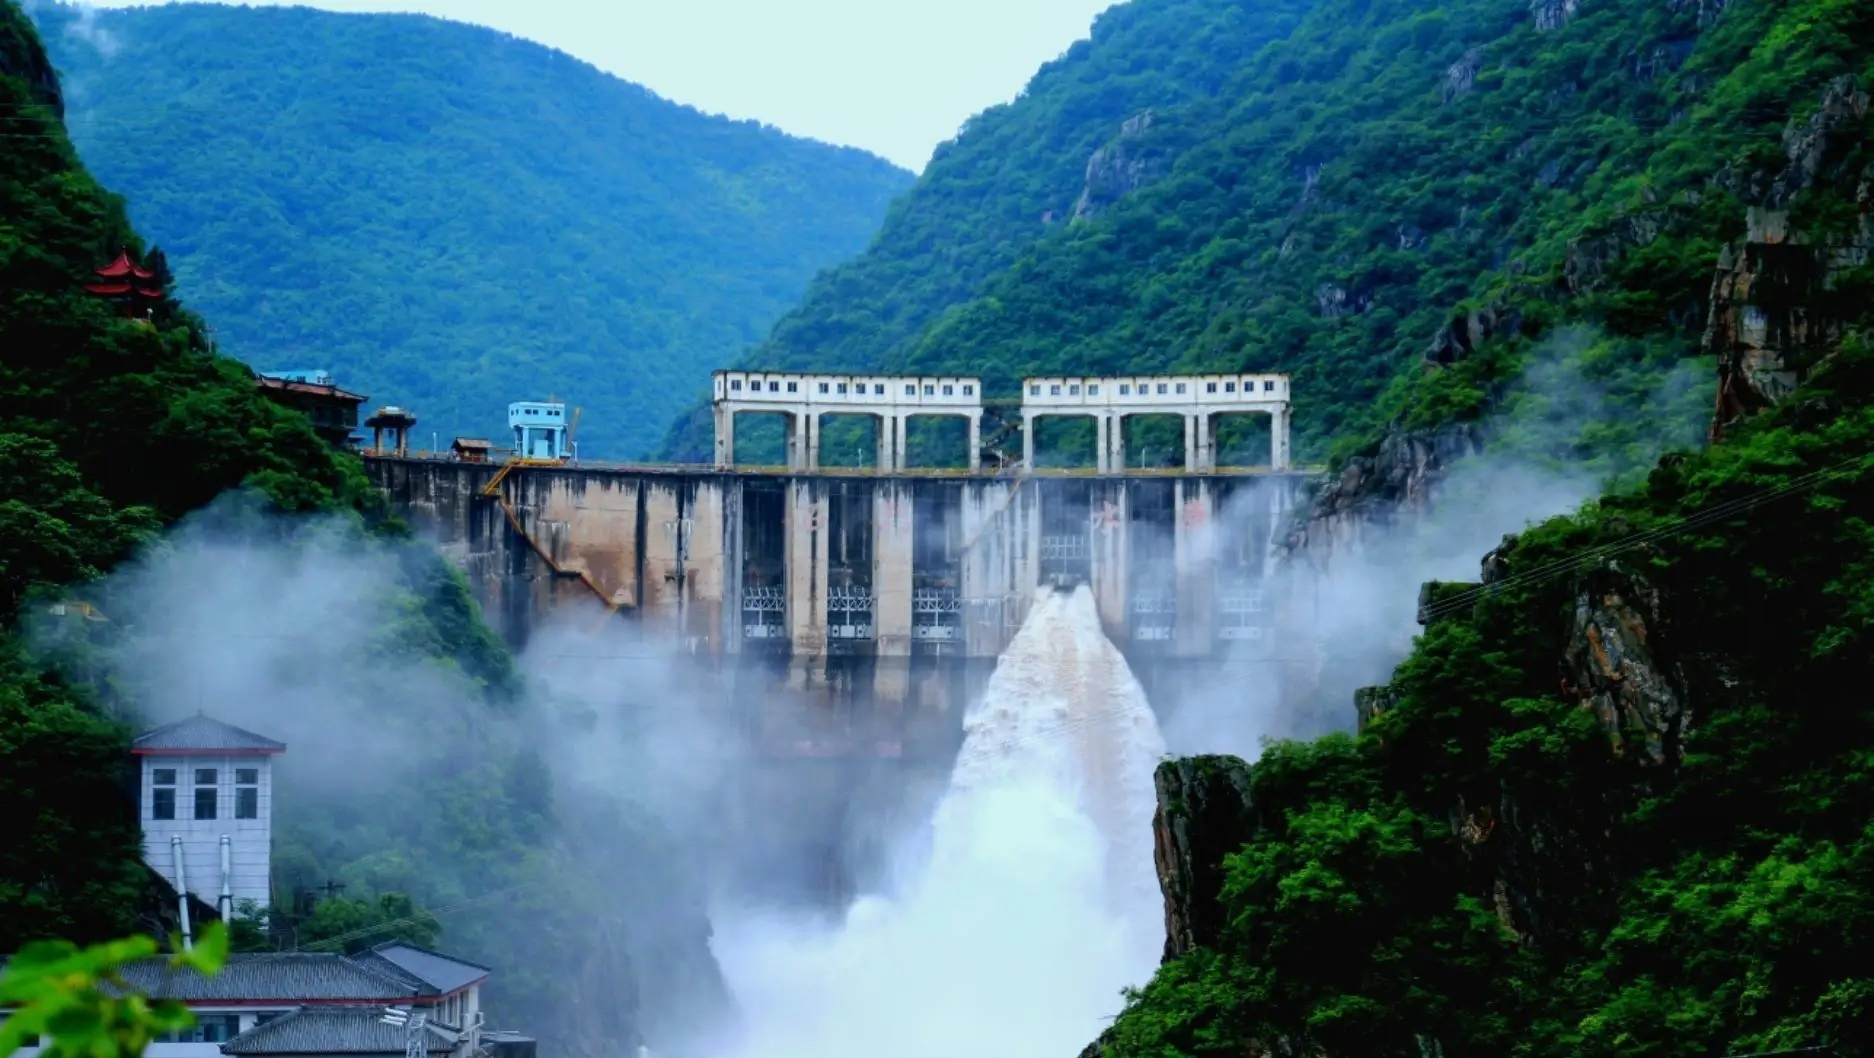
(448, 217)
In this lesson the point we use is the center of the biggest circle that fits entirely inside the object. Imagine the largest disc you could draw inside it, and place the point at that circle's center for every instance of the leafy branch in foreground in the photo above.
(76, 999)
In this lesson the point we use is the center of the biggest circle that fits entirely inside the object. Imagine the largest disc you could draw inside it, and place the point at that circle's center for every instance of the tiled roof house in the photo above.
(206, 806)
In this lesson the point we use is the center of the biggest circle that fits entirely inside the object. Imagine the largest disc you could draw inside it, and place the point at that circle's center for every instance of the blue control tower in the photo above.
(540, 429)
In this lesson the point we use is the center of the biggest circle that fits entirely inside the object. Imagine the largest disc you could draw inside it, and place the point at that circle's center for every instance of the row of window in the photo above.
(1125, 388)
(211, 1028)
(207, 793)
(878, 388)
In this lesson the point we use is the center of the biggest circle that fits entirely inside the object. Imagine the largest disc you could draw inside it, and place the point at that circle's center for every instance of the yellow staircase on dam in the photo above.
(493, 490)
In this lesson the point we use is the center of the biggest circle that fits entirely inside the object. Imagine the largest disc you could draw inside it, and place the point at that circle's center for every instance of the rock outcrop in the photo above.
(1776, 310)
(1204, 814)
(1461, 75)
(1121, 167)
(1613, 664)
(1551, 14)
(1464, 332)
(1373, 490)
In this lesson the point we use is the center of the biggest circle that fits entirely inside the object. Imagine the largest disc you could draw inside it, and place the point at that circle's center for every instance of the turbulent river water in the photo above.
(1032, 904)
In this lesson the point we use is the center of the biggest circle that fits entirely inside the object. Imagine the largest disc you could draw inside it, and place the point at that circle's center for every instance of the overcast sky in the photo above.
(896, 77)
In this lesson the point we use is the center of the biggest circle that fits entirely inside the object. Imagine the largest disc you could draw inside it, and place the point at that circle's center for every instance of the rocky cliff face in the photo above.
(1617, 659)
(1373, 491)
(1121, 167)
(1204, 814)
(1778, 297)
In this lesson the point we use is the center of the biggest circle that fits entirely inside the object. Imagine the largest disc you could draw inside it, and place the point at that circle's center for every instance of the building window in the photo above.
(1034, 391)
(247, 793)
(878, 389)
(793, 387)
(1125, 389)
(1229, 387)
(1074, 390)
(208, 1028)
(1161, 387)
(950, 391)
(910, 390)
(206, 793)
(1180, 387)
(823, 387)
(163, 797)
(1093, 390)
(842, 387)
(774, 387)
(1268, 385)
(928, 390)
(969, 390)
(735, 384)
(1210, 387)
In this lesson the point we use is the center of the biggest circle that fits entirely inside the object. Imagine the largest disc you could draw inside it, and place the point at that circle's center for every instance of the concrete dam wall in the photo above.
(879, 591)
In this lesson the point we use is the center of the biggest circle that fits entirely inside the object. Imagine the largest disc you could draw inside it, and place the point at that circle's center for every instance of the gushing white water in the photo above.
(1036, 904)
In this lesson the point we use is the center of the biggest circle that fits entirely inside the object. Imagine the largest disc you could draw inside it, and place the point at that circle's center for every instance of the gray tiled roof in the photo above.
(299, 976)
(440, 972)
(410, 981)
(330, 1030)
(200, 732)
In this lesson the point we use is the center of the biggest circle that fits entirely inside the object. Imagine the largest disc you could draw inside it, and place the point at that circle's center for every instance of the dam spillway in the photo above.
(836, 624)
(862, 585)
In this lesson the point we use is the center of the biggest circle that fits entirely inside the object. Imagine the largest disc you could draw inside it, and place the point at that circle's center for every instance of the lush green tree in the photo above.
(348, 925)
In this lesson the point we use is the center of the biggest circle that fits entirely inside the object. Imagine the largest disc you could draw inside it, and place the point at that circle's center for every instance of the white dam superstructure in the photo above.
(893, 400)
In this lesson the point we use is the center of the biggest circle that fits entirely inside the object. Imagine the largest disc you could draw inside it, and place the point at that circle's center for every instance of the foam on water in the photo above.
(1035, 903)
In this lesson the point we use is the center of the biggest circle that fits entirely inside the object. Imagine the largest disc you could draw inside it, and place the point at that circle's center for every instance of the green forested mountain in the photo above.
(112, 431)
(108, 430)
(1666, 852)
(1329, 194)
(1616, 802)
(451, 218)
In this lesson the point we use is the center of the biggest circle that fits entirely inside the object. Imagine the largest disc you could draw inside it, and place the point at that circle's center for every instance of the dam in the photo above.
(835, 622)
(885, 592)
